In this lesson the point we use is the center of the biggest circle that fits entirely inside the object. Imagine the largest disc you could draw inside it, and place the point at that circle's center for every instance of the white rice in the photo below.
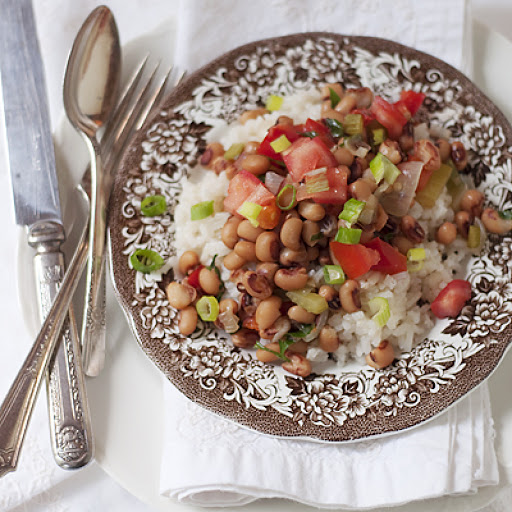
(409, 294)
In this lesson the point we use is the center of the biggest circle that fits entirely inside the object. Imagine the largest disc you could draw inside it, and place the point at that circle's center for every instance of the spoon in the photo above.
(90, 91)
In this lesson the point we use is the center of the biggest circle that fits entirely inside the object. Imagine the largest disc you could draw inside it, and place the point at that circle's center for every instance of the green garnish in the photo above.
(279, 197)
(335, 127)
(274, 102)
(473, 236)
(234, 151)
(335, 99)
(317, 236)
(383, 168)
(311, 135)
(250, 211)
(505, 214)
(280, 144)
(351, 210)
(353, 124)
(333, 274)
(288, 340)
(146, 260)
(207, 308)
(376, 133)
(379, 307)
(202, 210)
(348, 235)
(153, 205)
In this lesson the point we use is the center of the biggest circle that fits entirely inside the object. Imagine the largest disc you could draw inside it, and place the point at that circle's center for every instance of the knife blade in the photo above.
(31, 161)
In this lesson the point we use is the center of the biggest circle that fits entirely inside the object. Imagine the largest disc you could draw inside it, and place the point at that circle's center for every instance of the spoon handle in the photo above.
(93, 324)
(18, 405)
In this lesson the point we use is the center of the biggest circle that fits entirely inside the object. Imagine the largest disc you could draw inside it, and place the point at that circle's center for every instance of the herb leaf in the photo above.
(335, 127)
(309, 134)
(335, 99)
(283, 345)
(222, 287)
(317, 236)
(506, 214)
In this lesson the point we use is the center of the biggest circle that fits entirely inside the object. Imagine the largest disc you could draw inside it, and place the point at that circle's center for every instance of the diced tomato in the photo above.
(193, 277)
(391, 261)
(274, 133)
(269, 216)
(367, 114)
(306, 155)
(412, 100)
(244, 186)
(323, 132)
(337, 193)
(402, 108)
(249, 322)
(388, 116)
(451, 299)
(356, 259)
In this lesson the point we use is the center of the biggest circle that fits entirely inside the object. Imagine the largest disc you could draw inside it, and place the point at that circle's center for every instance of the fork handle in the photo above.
(18, 405)
(70, 427)
(93, 323)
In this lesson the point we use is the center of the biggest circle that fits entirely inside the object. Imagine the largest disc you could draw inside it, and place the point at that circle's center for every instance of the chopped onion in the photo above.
(283, 325)
(396, 200)
(421, 131)
(273, 181)
(229, 321)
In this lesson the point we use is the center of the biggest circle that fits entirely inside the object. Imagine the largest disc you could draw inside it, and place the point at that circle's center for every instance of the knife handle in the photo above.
(93, 323)
(18, 405)
(70, 427)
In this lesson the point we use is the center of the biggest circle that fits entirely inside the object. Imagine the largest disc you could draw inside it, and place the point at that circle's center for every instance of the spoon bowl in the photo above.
(91, 85)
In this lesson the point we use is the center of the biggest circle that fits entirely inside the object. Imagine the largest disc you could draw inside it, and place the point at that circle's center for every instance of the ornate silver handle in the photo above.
(93, 326)
(18, 405)
(70, 427)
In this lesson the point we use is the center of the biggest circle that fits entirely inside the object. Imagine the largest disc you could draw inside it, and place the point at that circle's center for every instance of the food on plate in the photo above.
(327, 226)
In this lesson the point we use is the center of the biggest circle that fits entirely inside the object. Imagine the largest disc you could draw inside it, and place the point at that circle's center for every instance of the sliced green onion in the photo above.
(383, 168)
(505, 214)
(351, 210)
(316, 181)
(333, 274)
(280, 144)
(335, 127)
(153, 205)
(234, 151)
(146, 261)
(250, 211)
(208, 308)
(282, 195)
(415, 259)
(310, 301)
(428, 195)
(333, 96)
(348, 235)
(201, 210)
(473, 236)
(376, 133)
(379, 307)
(274, 102)
(353, 124)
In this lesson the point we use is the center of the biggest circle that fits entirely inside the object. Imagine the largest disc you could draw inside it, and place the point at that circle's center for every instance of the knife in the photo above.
(37, 207)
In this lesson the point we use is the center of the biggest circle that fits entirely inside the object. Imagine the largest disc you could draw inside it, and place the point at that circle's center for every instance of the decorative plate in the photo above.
(345, 405)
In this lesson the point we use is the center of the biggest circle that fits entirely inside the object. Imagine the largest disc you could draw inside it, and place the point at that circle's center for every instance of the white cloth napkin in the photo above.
(210, 461)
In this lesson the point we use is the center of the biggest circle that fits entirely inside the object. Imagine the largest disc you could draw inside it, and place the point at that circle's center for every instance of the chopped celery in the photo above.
(274, 102)
(348, 236)
(455, 186)
(376, 133)
(383, 168)
(415, 259)
(353, 124)
(316, 181)
(250, 211)
(428, 195)
(310, 301)
(351, 210)
(473, 236)
(280, 144)
(234, 151)
(379, 307)
(333, 274)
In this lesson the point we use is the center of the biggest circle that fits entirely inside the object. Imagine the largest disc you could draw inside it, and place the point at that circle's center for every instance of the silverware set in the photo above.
(107, 122)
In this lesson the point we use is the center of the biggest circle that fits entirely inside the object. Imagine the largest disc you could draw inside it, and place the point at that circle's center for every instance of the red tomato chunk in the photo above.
(391, 261)
(274, 133)
(451, 299)
(355, 259)
(246, 187)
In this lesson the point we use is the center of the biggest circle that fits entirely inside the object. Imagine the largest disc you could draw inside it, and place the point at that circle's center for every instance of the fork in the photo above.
(17, 407)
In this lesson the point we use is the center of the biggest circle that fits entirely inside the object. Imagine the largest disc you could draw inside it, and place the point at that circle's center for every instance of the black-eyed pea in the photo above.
(412, 229)
(256, 164)
(312, 253)
(248, 232)
(327, 89)
(268, 270)
(391, 150)
(187, 321)
(246, 250)
(233, 261)
(285, 121)
(428, 153)
(349, 295)
(268, 311)
(402, 243)
(446, 233)
(188, 261)
(180, 295)
(252, 114)
(346, 104)
(311, 211)
(290, 279)
(459, 155)
(463, 220)
(209, 281)
(472, 201)
(291, 234)
(300, 315)
(343, 156)
(301, 347)
(244, 338)
(329, 113)
(445, 149)
(297, 364)
(265, 356)
(257, 285)
(211, 152)
(228, 305)
(361, 189)
(328, 339)
(229, 231)
(267, 247)
(310, 232)
(494, 223)
(289, 257)
(381, 356)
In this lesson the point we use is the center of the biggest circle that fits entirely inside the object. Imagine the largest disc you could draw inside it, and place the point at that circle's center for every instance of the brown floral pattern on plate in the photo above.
(458, 354)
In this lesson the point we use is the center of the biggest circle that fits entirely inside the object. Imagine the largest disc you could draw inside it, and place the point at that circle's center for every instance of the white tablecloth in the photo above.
(58, 21)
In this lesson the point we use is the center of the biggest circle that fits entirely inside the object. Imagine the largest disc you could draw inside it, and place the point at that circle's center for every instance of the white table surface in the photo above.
(58, 21)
